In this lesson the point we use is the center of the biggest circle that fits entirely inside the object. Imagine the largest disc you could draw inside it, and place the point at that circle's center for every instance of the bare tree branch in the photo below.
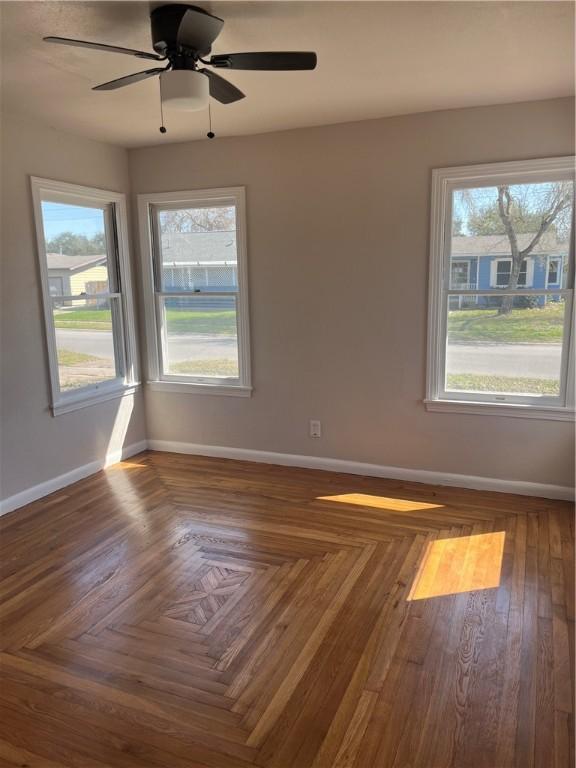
(547, 220)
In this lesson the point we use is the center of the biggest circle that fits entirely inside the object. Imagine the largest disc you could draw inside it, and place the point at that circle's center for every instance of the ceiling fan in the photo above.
(182, 36)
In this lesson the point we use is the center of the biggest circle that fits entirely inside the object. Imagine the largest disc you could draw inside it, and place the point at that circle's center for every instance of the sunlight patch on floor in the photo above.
(463, 564)
(380, 502)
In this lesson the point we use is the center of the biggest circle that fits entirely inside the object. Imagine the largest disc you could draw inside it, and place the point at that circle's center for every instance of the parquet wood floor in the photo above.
(185, 612)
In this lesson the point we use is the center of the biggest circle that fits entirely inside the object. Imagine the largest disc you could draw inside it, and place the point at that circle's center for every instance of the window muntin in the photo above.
(84, 266)
(506, 338)
(197, 273)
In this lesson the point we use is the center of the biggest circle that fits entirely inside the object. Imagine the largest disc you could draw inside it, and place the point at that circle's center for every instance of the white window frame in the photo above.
(124, 333)
(444, 182)
(156, 378)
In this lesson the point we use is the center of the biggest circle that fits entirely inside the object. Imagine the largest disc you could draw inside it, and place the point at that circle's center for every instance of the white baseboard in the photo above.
(291, 460)
(55, 484)
(372, 470)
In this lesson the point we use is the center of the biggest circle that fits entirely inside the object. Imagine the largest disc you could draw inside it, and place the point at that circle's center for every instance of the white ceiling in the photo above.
(375, 59)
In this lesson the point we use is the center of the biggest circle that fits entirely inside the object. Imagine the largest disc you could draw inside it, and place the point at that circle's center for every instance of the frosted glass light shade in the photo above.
(184, 89)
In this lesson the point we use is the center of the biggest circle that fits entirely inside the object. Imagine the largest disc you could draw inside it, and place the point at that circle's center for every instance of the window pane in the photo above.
(85, 342)
(200, 336)
(505, 344)
(520, 225)
(76, 249)
(198, 249)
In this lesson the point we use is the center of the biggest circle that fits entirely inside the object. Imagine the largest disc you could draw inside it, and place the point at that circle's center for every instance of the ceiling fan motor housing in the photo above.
(165, 22)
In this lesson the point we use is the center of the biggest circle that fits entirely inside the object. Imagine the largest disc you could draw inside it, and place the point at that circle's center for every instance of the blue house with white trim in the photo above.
(481, 262)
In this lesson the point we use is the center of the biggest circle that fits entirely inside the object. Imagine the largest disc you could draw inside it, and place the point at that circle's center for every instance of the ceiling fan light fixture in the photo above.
(185, 89)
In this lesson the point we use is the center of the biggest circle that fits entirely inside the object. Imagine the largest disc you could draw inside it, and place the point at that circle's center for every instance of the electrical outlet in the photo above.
(315, 428)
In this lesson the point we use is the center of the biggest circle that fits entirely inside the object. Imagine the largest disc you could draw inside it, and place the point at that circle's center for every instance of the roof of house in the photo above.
(499, 245)
(198, 247)
(62, 261)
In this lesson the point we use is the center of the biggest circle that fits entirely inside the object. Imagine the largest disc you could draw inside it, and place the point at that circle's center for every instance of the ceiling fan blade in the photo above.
(277, 60)
(120, 82)
(198, 30)
(102, 47)
(221, 89)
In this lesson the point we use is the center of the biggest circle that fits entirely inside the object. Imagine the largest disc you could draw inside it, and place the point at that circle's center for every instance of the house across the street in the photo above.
(200, 261)
(207, 262)
(203, 261)
(76, 275)
(481, 262)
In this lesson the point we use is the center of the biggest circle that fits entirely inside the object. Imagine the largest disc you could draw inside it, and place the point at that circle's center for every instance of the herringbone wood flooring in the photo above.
(183, 612)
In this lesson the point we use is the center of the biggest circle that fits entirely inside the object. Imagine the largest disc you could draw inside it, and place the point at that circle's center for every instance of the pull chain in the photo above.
(210, 134)
(162, 127)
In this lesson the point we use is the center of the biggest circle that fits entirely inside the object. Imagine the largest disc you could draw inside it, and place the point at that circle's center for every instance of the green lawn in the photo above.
(211, 321)
(218, 367)
(467, 325)
(178, 320)
(66, 357)
(474, 382)
(538, 325)
(84, 319)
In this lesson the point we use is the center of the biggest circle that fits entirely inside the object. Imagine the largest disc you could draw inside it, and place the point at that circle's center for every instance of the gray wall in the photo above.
(35, 447)
(338, 221)
(319, 201)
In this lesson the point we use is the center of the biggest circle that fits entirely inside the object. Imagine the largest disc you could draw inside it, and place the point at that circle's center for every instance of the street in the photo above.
(181, 347)
(535, 361)
(538, 361)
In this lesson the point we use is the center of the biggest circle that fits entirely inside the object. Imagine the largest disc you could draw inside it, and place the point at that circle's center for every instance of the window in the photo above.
(500, 342)
(84, 267)
(56, 286)
(501, 271)
(554, 271)
(195, 273)
(460, 274)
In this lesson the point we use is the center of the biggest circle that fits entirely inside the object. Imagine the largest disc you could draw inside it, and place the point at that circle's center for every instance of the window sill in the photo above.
(190, 388)
(92, 398)
(515, 410)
